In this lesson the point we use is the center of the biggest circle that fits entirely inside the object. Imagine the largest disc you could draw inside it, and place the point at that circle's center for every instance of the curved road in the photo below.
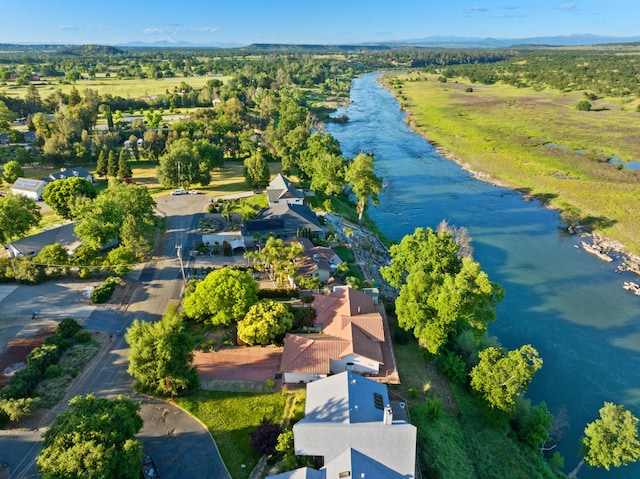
(178, 443)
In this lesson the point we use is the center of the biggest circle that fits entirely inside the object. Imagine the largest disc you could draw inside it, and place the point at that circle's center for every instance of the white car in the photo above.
(193, 192)
(178, 192)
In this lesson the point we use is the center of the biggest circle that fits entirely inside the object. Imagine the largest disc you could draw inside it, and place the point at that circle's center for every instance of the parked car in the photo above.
(178, 192)
(193, 192)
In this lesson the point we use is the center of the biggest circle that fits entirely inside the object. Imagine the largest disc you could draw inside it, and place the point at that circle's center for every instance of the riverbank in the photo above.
(486, 162)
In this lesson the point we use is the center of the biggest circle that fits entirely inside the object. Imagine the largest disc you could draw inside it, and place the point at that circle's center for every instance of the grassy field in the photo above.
(505, 133)
(231, 416)
(125, 88)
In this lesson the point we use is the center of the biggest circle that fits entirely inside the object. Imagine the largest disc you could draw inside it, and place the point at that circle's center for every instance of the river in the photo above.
(565, 302)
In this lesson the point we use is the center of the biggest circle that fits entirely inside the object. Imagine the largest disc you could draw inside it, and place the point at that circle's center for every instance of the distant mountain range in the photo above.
(427, 42)
(556, 41)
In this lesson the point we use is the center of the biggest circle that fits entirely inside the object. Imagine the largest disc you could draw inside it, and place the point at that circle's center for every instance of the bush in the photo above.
(453, 367)
(583, 105)
(53, 371)
(433, 409)
(103, 293)
(28, 272)
(265, 437)
(44, 356)
(82, 336)
(278, 293)
(16, 409)
(68, 327)
(84, 273)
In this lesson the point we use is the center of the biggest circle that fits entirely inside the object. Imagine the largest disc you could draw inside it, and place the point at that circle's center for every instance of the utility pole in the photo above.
(179, 249)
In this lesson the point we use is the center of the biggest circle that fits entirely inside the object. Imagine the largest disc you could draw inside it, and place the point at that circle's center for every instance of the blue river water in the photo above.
(565, 302)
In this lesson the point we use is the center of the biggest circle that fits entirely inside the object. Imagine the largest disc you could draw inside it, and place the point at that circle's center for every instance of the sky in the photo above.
(115, 22)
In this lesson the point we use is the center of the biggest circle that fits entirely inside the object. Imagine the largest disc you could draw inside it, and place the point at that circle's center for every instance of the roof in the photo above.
(302, 473)
(65, 173)
(346, 397)
(63, 235)
(283, 220)
(345, 422)
(281, 188)
(28, 184)
(350, 325)
(359, 465)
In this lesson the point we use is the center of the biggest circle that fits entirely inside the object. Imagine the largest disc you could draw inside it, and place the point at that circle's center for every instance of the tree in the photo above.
(183, 165)
(93, 438)
(364, 182)
(112, 165)
(501, 377)
(12, 171)
(137, 235)
(101, 220)
(225, 295)
(264, 322)
(62, 195)
(161, 354)
(256, 170)
(442, 294)
(54, 256)
(611, 440)
(124, 170)
(101, 166)
(154, 142)
(18, 214)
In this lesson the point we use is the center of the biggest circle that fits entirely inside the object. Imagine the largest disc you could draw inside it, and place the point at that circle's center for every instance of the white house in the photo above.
(349, 422)
(281, 190)
(29, 187)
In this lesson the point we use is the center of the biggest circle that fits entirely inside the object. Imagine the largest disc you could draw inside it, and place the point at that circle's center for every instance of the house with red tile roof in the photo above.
(348, 335)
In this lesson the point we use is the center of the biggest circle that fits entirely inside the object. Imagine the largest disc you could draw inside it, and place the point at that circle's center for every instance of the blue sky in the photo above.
(115, 22)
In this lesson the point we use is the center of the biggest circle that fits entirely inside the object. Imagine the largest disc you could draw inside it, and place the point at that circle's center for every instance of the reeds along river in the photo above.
(565, 302)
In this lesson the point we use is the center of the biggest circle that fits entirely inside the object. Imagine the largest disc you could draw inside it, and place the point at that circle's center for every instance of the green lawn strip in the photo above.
(502, 131)
(344, 252)
(230, 417)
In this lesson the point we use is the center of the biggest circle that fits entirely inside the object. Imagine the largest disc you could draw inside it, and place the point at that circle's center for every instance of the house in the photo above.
(29, 187)
(281, 190)
(349, 423)
(349, 336)
(282, 221)
(31, 245)
(316, 261)
(76, 171)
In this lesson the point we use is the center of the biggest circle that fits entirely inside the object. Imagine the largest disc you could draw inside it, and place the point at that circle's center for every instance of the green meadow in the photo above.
(538, 143)
(123, 87)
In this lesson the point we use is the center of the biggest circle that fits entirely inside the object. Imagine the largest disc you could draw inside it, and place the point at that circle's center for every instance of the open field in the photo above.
(125, 88)
(538, 143)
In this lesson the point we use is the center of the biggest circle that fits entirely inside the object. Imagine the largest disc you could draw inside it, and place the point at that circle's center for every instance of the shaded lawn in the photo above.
(230, 417)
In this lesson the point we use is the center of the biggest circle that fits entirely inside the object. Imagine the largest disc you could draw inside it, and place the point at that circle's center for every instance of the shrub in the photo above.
(53, 371)
(265, 437)
(103, 293)
(583, 105)
(68, 327)
(43, 356)
(82, 336)
(453, 367)
(469, 90)
(433, 409)
(84, 273)
(278, 293)
(270, 383)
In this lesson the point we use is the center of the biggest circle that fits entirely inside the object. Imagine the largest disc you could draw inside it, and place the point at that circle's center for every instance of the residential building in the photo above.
(281, 190)
(349, 425)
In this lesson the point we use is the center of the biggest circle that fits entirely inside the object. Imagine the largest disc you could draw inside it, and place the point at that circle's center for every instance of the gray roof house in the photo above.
(75, 171)
(29, 187)
(31, 245)
(281, 190)
(349, 422)
(283, 220)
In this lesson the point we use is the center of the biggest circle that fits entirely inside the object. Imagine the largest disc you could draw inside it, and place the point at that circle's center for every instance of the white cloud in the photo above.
(567, 6)
(153, 31)
(475, 9)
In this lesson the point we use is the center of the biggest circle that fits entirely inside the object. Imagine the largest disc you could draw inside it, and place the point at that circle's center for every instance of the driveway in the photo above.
(239, 363)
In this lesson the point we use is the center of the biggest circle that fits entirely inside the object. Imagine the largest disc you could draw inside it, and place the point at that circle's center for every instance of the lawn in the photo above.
(509, 134)
(231, 416)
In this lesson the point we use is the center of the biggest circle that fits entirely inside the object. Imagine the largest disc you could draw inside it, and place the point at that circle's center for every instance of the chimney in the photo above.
(388, 415)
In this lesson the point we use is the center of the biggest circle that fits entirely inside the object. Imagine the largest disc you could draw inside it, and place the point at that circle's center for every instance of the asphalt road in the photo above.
(179, 444)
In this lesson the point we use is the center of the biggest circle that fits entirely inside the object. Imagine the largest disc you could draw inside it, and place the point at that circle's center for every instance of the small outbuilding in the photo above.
(29, 187)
